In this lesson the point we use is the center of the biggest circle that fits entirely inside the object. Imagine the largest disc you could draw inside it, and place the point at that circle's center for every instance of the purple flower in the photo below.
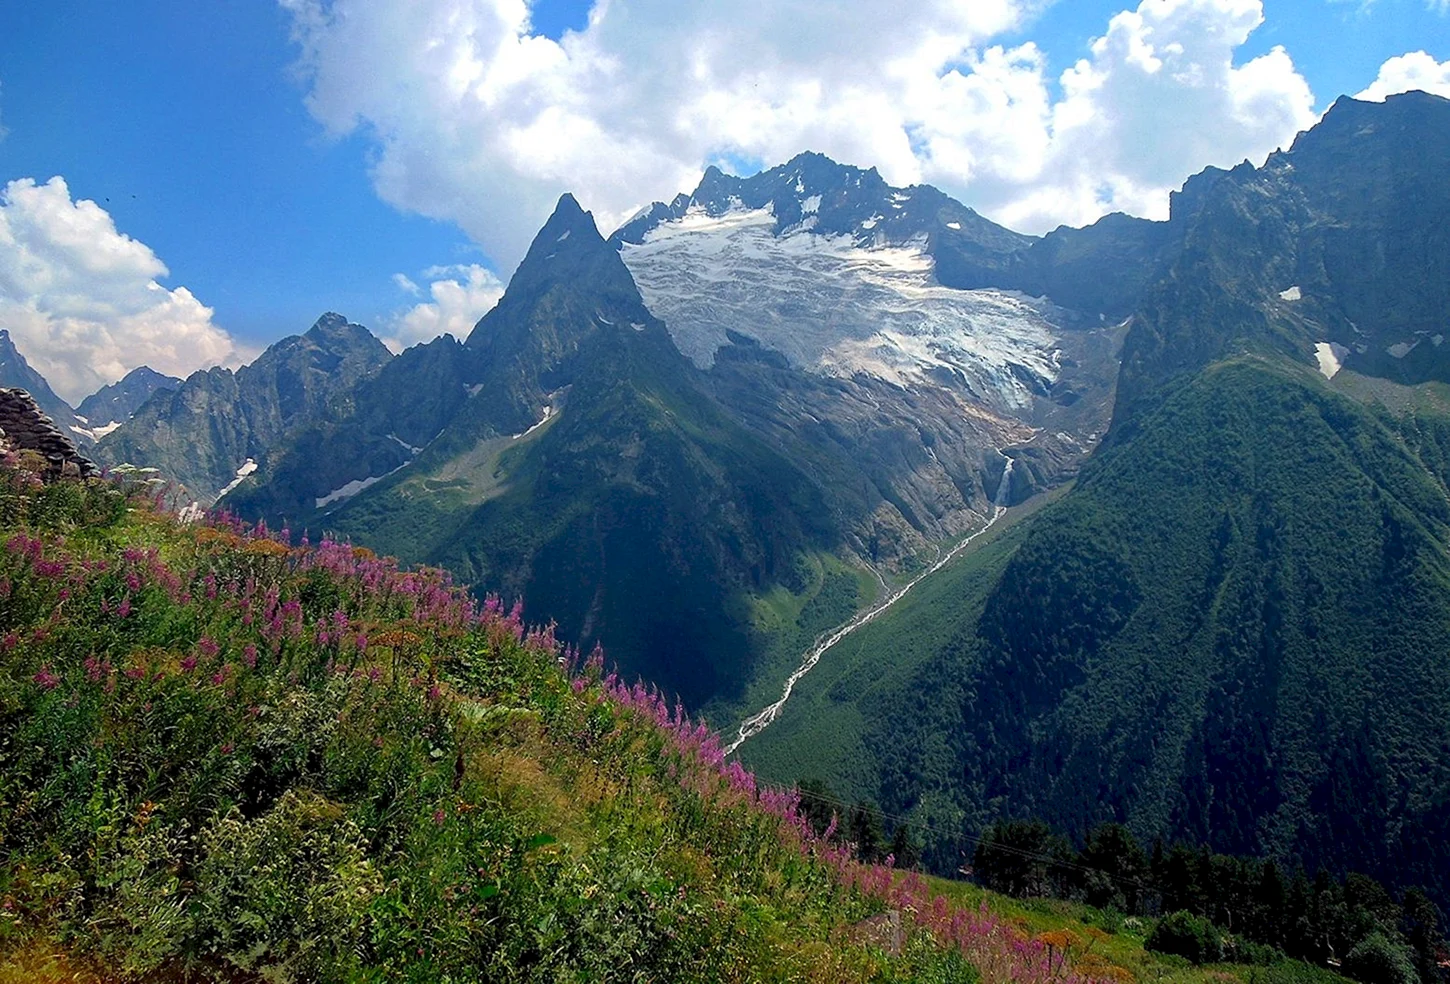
(46, 679)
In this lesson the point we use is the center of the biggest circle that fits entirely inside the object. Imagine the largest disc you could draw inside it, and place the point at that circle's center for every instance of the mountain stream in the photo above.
(757, 723)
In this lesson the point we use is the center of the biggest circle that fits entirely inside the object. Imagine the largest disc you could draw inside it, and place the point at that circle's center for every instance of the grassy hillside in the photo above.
(223, 758)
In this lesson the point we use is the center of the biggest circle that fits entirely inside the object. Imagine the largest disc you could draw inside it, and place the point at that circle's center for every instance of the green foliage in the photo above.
(1118, 868)
(1378, 960)
(1022, 858)
(1233, 631)
(1186, 935)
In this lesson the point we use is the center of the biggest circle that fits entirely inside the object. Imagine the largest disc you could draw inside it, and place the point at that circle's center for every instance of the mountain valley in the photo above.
(1216, 609)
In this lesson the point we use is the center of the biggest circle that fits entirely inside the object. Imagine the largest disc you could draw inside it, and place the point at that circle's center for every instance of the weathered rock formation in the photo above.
(25, 427)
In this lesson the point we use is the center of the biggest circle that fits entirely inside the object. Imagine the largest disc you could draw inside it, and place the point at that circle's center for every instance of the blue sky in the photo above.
(189, 123)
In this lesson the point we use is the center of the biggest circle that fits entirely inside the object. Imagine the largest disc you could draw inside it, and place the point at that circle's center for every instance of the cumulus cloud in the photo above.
(1415, 70)
(478, 121)
(82, 300)
(461, 294)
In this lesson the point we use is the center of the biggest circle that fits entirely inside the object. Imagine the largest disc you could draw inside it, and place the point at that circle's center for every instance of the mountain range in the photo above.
(1217, 606)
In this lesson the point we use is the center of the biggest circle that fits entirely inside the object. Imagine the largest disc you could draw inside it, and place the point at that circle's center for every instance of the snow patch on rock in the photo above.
(349, 490)
(548, 415)
(1331, 357)
(248, 467)
(405, 444)
(94, 433)
(1292, 294)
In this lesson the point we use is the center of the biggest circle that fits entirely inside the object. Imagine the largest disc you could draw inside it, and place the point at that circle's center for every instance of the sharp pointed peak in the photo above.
(330, 320)
(568, 205)
(568, 217)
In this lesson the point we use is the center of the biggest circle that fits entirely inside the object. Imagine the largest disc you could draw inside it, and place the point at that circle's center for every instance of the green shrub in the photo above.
(289, 890)
(1186, 935)
(1378, 960)
(1241, 951)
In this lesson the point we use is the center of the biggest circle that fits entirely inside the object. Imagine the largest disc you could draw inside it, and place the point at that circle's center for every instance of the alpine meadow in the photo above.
(990, 525)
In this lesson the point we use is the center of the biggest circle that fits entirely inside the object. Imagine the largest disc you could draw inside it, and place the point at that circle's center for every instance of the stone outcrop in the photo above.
(25, 427)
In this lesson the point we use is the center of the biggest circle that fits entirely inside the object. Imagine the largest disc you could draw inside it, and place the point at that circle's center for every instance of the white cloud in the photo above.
(1414, 70)
(461, 295)
(82, 300)
(478, 121)
(1157, 99)
(406, 285)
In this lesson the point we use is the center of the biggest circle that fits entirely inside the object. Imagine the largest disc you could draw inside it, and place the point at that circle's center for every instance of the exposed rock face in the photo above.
(25, 427)
(112, 405)
(1339, 240)
(203, 433)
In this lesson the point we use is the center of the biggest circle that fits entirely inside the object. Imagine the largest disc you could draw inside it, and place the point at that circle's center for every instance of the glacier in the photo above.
(839, 305)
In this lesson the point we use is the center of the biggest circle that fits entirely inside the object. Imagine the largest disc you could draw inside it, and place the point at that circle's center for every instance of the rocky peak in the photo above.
(333, 326)
(117, 401)
(571, 265)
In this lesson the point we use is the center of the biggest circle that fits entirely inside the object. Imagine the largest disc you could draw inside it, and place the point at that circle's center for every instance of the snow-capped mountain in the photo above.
(846, 276)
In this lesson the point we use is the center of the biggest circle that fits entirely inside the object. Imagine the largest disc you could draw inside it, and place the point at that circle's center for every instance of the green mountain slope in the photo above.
(1235, 629)
(586, 468)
